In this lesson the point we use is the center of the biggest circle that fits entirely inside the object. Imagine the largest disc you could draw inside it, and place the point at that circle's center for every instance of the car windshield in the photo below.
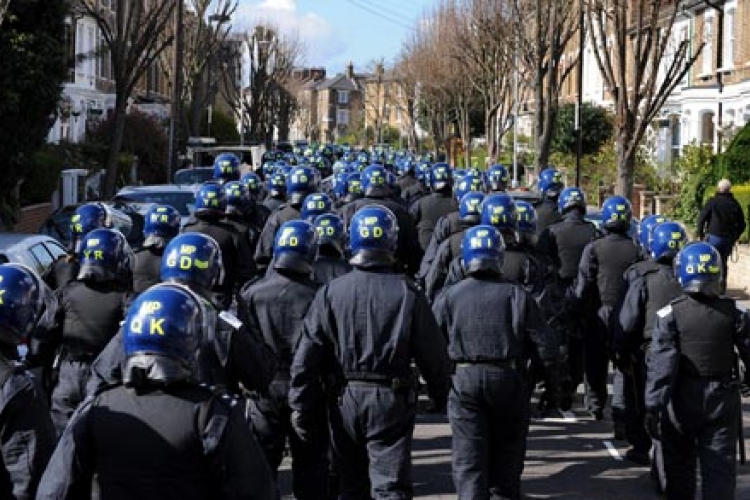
(184, 202)
(193, 176)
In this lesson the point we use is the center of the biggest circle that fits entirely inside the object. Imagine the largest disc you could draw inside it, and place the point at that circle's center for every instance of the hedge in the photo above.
(742, 195)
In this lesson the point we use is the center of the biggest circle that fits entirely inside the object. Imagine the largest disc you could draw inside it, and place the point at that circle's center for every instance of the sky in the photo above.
(335, 32)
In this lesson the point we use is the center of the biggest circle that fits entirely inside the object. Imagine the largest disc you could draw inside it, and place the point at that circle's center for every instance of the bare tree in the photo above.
(132, 35)
(641, 63)
(544, 28)
(408, 83)
(3, 9)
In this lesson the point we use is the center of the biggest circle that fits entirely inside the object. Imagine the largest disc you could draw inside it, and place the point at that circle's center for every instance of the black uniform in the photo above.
(428, 210)
(722, 222)
(62, 271)
(171, 441)
(273, 203)
(328, 266)
(546, 214)
(406, 181)
(600, 288)
(274, 307)
(28, 436)
(444, 228)
(652, 287)
(247, 241)
(414, 193)
(365, 328)
(691, 384)
(89, 315)
(563, 243)
(228, 240)
(264, 250)
(493, 327)
(408, 253)
(147, 270)
(447, 252)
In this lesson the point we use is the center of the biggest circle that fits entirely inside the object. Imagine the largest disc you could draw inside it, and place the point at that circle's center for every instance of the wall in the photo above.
(30, 218)
(738, 279)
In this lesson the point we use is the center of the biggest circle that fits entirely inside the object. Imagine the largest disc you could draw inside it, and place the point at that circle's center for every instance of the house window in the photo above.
(342, 116)
(708, 48)
(728, 55)
(343, 96)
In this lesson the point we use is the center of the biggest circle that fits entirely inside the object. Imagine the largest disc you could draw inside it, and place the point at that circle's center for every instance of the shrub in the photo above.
(734, 163)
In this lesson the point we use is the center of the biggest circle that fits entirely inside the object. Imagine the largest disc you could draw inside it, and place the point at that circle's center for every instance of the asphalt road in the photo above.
(567, 458)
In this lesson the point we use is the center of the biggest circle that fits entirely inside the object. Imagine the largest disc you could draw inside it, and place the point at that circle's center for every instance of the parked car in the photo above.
(190, 176)
(37, 251)
(180, 197)
(125, 218)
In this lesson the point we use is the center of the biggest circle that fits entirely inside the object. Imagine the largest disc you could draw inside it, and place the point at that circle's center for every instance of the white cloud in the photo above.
(320, 41)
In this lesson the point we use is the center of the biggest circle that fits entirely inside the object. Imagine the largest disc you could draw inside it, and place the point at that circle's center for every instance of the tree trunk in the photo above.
(626, 157)
(539, 119)
(110, 177)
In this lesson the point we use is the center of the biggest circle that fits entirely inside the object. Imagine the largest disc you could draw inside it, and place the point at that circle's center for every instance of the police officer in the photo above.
(406, 174)
(273, 307)
(376, 191)
(331, 260)
(210, 211)
(448, 224)
(651, 289)
(276, 189)
(85, 219)
(421, 188)
(550, 186)
(599, 291)
(563, 243)
(299, 183)
(469, 211)
(247, 232)
(26, 304)
(365, 328)
(226, 168)
(497, 178)
(427, 210)
(161, 225)
(89, 314)
(692, 389)
(231, 359)
(316, 204)
(493, 327)
(159, 434)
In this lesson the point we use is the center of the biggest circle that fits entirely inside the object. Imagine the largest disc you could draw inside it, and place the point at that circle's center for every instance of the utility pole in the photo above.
(176, 111)
(579, 98)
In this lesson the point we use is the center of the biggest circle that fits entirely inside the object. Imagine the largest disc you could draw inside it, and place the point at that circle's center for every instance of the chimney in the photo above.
(350, 71)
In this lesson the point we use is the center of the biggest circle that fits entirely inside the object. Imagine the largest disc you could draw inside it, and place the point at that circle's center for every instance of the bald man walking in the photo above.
(722, 222)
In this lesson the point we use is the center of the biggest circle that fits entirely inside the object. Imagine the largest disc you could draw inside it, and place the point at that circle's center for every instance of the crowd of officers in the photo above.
(303, 305)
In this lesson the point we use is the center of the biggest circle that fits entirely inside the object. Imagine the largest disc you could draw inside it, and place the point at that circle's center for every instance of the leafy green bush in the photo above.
(697, 171)
(734, 163)
(596, 124)
(43, 175)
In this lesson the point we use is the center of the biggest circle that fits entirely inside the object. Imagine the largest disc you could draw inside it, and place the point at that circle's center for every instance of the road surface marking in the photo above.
(613, 451)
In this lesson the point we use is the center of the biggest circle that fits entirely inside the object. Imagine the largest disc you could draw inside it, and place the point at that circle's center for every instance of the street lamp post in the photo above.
(176, 105)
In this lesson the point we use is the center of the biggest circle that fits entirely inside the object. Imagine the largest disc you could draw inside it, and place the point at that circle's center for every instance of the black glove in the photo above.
(651, 422)
(299, 425)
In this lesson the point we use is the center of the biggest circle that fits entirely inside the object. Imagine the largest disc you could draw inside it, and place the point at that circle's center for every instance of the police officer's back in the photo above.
(550, 186)
(210, 210)
(89, 314)
(25, 424)
(416, 191)
(276, 188)
(427, 210)
(162, 223)
(331, 260)
(692, 389)
(366, 327)
(159, 434)
(493, 327)
(273, 307)
(299, 183)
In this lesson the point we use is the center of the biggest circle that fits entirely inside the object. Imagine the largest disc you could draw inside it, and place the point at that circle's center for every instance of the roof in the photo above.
(342, 82)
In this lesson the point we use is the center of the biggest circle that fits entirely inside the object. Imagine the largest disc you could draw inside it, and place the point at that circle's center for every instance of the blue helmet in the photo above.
(470, 207)
(373, 236)
(161, 334)
(252, 183)
(499, 211)
(375, 181)
(238, 201)
(315, 204)
(354, 185)
(525, 217)
(299, 183)
(441, 177)
(339, 185)
(85, 219)
(497, 177)
(483, 250)
(268, 168)
(105, 256)
(330, 230)
(26, 303)
(210, 200)
(161, 224)
(227, 167)
(405, 167)
(644, 230)
(570, 198)
(666, 239)
(698, 267)
(193, 259)
(424, 170)
(276, 185)
(466, 184)
(295, 246)
(550, 182)
(617, 213)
